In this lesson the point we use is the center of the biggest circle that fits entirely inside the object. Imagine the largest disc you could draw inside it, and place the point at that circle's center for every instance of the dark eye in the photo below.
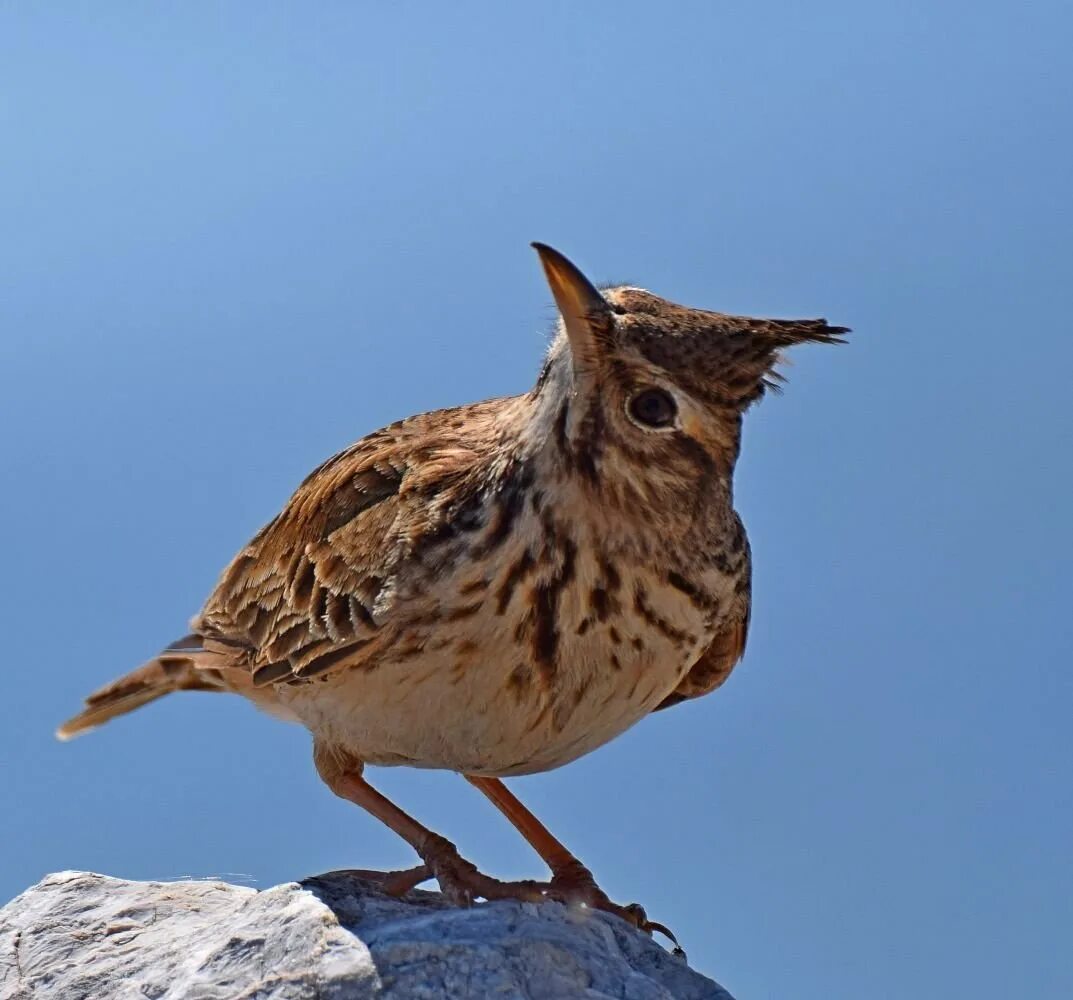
(653, 408)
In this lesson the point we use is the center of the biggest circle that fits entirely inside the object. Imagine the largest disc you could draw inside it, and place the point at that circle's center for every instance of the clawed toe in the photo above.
(396, 883)
(651, 925)
(578, 886)
(462, 882)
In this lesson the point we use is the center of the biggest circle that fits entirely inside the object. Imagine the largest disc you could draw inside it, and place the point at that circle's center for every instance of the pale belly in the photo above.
(473, 698)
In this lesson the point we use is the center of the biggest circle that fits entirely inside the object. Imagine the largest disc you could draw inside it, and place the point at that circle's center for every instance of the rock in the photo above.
(334, 937)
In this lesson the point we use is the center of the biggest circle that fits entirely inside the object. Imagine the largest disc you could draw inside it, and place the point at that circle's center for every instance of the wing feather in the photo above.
(719, 659)
(312, 591)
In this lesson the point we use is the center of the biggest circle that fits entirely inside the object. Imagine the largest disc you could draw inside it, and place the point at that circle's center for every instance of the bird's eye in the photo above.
(653, 408)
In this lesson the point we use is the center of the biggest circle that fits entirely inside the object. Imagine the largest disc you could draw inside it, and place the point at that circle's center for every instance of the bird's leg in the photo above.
(571, 881)
(566, 870)
(459, 880)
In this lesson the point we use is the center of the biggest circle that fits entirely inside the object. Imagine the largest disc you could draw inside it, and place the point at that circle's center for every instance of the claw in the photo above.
(577, 885)
(678, 951)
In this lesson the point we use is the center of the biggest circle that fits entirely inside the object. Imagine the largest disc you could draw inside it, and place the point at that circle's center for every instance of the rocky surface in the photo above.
(336, 937)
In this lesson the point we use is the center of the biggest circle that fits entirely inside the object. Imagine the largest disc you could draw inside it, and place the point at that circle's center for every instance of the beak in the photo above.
(586, 315)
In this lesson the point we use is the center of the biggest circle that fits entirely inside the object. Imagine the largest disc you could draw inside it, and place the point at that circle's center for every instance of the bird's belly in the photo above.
(492, 699)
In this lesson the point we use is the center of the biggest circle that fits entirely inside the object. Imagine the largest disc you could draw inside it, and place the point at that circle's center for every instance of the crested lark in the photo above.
(499, 588)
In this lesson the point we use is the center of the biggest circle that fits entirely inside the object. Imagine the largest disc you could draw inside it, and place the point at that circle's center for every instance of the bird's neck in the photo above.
(580, 479)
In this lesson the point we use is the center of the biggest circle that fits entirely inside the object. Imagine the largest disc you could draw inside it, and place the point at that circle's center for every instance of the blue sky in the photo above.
(238, 237)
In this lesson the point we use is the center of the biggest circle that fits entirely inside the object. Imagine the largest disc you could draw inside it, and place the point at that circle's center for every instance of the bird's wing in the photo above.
(720, 658)
(314, 590)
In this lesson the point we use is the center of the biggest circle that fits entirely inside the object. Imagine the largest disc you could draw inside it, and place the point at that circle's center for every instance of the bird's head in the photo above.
(644, 390)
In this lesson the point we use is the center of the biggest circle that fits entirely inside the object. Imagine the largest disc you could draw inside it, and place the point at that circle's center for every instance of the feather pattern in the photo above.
(500, 587)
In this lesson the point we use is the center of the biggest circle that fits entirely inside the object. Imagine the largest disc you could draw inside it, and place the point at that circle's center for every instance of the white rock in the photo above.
(78, 936)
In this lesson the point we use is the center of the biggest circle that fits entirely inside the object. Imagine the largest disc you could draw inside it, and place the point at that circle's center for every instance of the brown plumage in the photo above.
(502, 587)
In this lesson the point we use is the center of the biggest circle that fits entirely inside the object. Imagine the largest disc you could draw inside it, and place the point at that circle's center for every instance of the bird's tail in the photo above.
(173, 669)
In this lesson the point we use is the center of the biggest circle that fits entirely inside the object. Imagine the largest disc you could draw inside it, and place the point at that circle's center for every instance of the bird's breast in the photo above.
(543, 654)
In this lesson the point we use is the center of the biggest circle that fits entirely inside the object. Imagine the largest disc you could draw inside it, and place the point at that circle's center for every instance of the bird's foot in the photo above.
(575, 884)
(461, 881)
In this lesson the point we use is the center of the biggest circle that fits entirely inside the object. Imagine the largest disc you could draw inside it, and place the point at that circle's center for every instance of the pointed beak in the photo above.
(585, 312)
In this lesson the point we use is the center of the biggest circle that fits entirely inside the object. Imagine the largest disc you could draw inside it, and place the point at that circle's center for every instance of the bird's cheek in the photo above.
(713, 438)
(694, 427)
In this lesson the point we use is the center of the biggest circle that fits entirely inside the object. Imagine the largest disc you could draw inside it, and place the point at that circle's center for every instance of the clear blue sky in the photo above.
(237, 237)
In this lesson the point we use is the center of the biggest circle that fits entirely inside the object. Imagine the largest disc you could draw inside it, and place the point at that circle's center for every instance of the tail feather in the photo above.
(173, 669)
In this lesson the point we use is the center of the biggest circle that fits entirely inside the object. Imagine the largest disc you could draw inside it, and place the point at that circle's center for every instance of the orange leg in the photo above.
(571, 880)
(564, 866)
(460, 881)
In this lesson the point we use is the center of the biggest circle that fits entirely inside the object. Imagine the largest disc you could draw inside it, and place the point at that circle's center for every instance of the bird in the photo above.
(498, 588)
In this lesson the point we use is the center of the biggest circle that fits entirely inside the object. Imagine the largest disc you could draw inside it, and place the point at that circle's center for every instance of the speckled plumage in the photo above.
(499, 588)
